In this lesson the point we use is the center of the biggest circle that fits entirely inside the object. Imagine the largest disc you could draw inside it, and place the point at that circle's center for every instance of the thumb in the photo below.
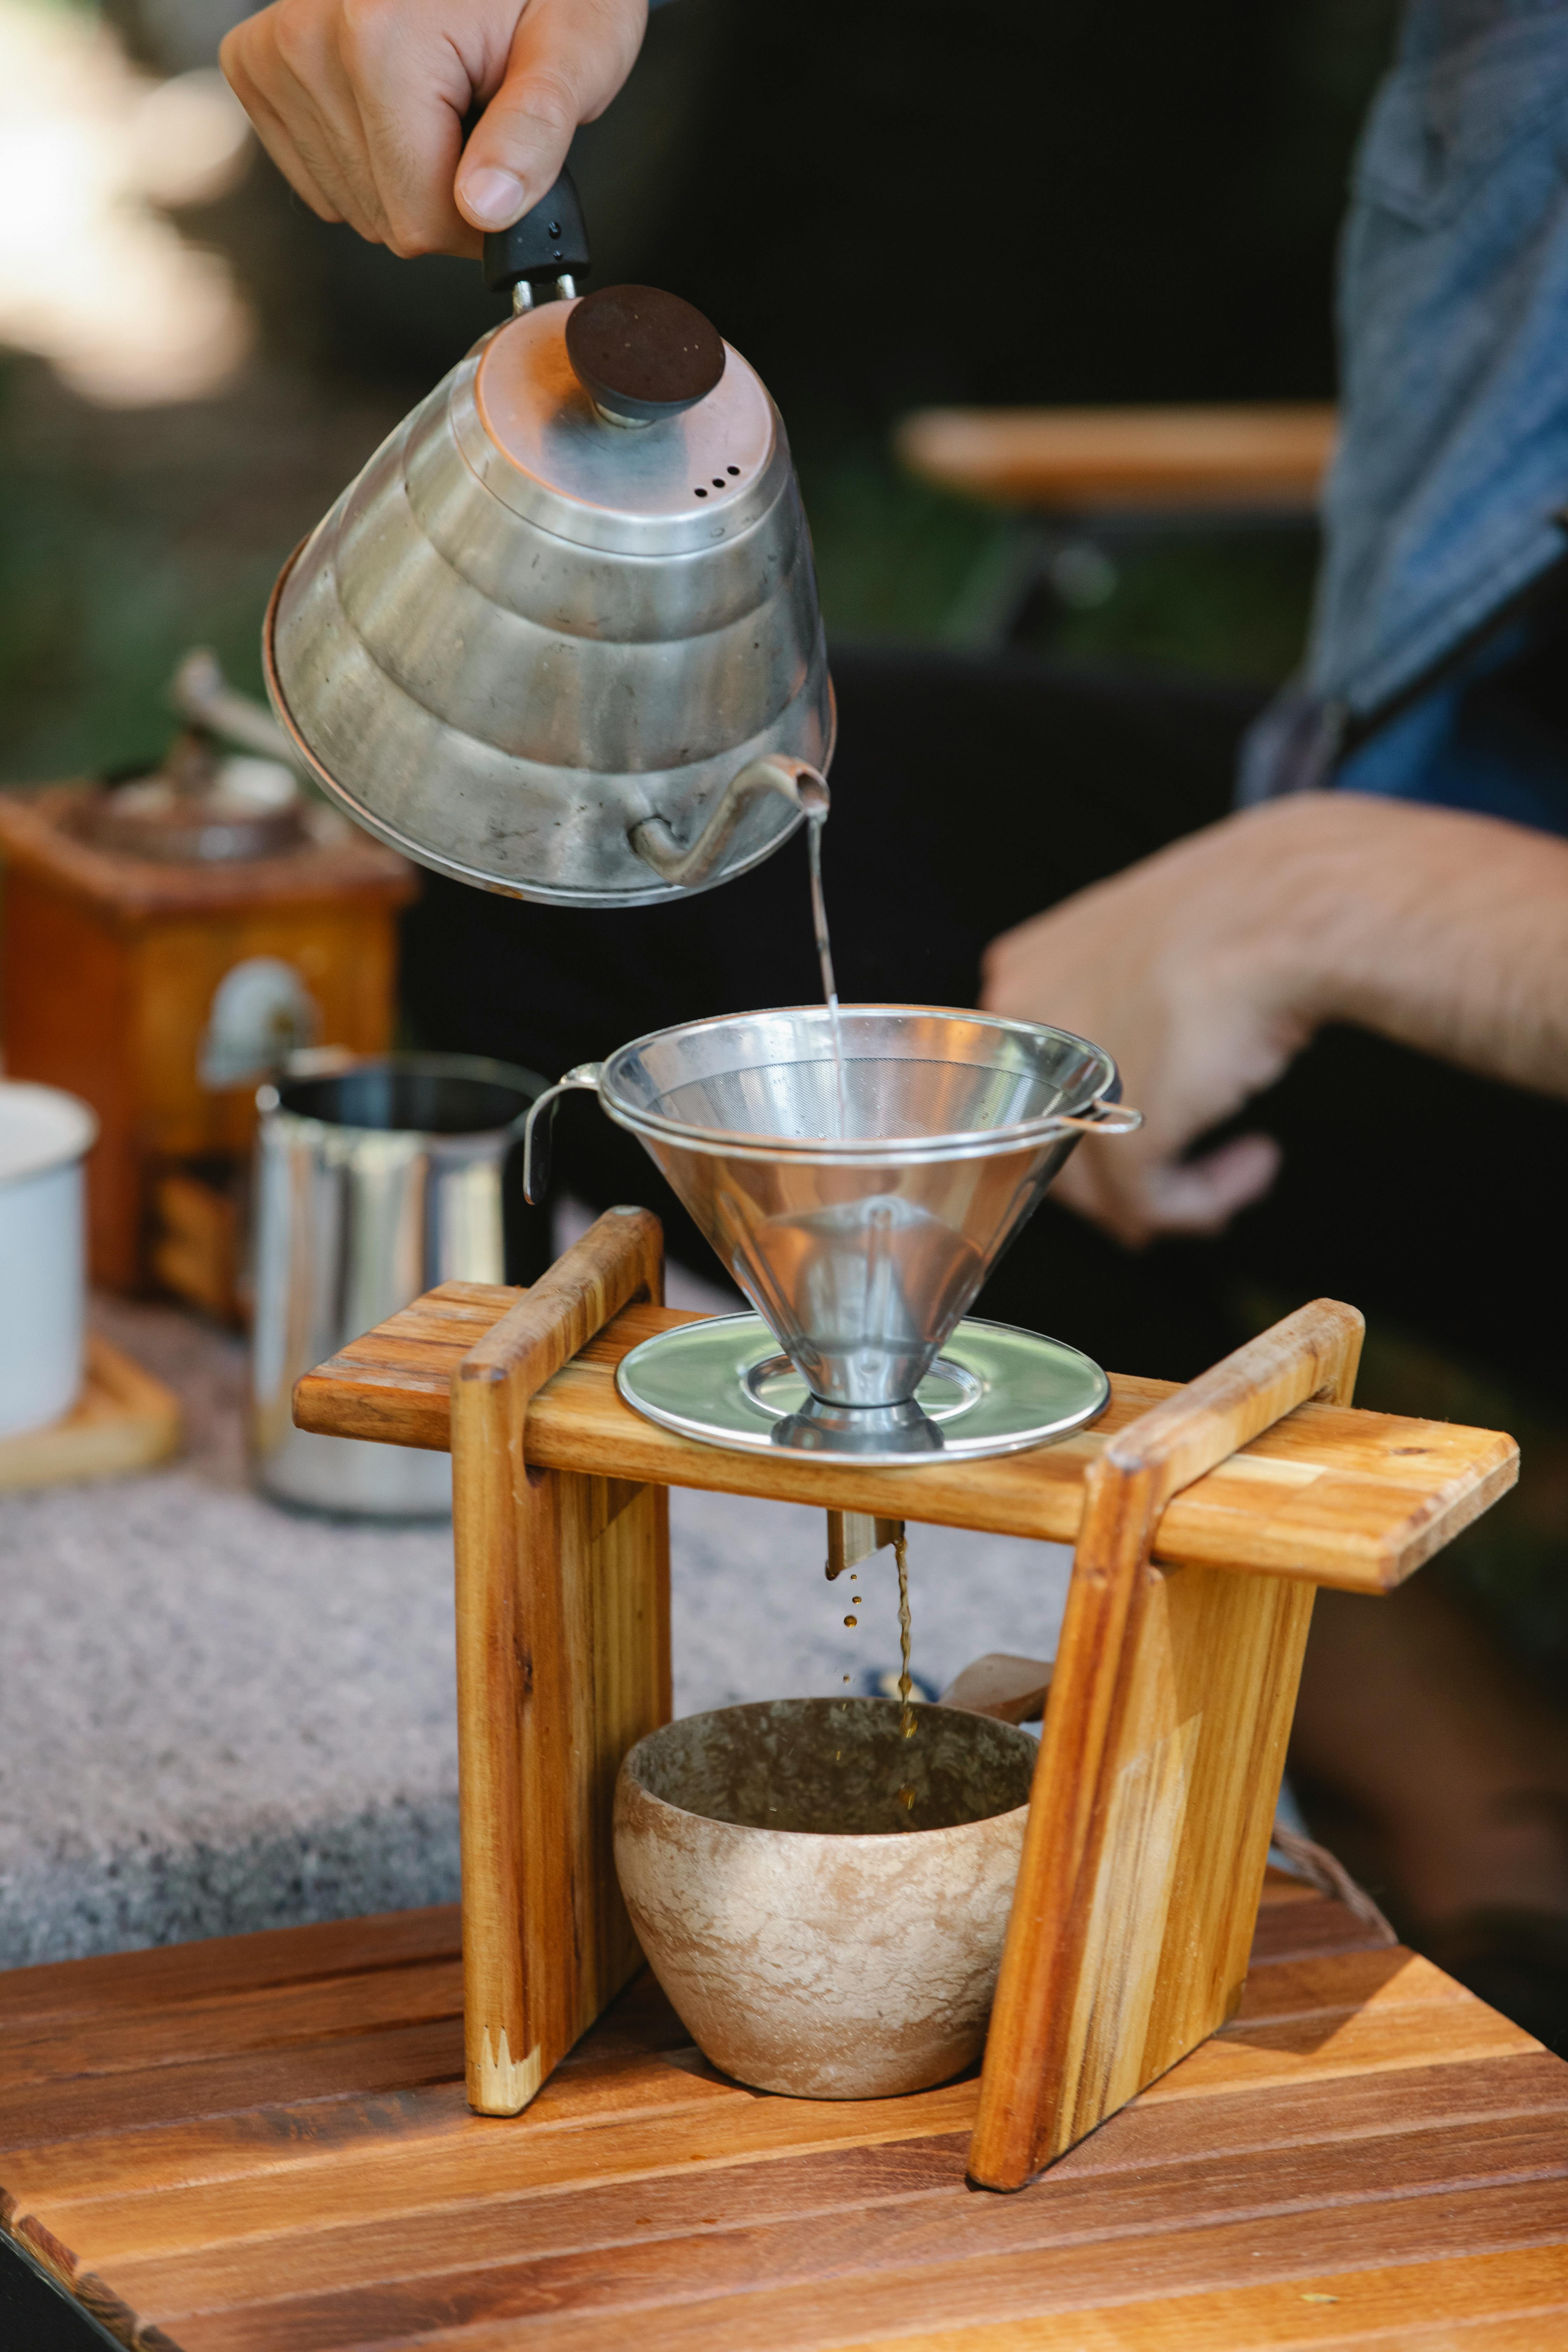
(567, 60)
(1200, 1196)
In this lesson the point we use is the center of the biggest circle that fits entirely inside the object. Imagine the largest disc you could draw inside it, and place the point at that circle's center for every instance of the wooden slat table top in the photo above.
(262, 2143)
(1340, 1496)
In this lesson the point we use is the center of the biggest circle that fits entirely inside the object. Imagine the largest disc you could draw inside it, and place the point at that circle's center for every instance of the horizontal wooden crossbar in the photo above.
(1331, 1495)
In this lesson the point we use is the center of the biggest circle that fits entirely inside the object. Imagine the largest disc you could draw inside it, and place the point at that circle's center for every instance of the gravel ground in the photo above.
(217, 1715)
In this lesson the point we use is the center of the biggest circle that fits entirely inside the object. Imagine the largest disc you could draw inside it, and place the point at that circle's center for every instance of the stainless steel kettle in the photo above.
(561, 637)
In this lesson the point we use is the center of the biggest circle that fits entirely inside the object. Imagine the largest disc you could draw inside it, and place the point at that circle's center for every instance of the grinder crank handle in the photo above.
(548, 248)
(199, 692)
(540, 1119)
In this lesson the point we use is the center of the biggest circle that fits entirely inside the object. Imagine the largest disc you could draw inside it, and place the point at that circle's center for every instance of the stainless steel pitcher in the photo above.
(373, 1183)
(549, 639)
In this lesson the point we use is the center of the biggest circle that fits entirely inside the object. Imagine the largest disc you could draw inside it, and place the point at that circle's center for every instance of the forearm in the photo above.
(1441, 930)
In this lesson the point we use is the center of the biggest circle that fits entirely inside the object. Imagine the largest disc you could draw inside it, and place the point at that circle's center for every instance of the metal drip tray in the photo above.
(992, 1389)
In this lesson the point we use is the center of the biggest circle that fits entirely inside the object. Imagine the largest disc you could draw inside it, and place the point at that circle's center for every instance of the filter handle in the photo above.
(536, 1137)
(1103, 1117)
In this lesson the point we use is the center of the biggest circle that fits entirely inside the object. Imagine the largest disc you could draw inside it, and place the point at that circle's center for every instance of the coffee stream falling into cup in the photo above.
(906, 1719)
(906, 1682)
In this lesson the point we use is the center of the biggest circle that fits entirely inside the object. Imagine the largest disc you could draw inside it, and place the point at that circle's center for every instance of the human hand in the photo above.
(1206, 968)
(1173, 966)
(361, 104)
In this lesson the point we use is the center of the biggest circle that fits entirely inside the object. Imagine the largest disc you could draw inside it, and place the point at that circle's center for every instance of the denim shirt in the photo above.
(1449, 494)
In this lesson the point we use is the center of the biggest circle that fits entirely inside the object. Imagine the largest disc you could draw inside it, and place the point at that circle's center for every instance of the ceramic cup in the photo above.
(824, 1901)
(44, 1136)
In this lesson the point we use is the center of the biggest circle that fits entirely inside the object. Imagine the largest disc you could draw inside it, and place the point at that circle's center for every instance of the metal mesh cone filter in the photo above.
(860, 1236)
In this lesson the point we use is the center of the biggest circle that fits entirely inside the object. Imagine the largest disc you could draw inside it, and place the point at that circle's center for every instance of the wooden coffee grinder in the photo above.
(166, 941)
(1202, 1518)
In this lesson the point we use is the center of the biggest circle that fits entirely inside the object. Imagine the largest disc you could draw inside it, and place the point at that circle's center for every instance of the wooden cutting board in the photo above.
(124, 1420)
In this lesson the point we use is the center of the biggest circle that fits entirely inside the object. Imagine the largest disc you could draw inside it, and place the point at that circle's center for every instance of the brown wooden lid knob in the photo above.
(641, 354)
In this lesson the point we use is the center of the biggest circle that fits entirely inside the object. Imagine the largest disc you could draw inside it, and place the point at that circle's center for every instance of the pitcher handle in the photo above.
(536, 1138)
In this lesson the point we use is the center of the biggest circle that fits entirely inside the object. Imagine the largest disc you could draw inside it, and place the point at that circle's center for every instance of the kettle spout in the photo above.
(775, 772)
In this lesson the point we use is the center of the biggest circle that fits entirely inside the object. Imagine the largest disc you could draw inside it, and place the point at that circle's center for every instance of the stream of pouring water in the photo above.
(906, 1682)
(816, 814)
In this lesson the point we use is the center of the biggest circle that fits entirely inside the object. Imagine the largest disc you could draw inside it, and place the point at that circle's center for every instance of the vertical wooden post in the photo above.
(1159, 1772)
(562, 1607)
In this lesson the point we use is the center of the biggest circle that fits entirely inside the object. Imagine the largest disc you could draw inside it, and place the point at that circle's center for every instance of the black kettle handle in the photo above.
(548, 243)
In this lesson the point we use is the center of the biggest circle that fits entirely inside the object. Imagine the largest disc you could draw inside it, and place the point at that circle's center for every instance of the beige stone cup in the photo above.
(824, 1901)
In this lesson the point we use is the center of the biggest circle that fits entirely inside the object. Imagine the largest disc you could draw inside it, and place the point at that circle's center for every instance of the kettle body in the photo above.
(530, 627)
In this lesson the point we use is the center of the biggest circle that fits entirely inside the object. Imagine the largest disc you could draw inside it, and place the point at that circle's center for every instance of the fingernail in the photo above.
(494, 198)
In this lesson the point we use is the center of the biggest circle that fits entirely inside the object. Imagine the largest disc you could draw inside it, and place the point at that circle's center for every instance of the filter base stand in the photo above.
(993, 1389)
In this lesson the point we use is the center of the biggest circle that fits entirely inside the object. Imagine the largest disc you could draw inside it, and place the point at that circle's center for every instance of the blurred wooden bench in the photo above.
(1077, 461)
(1084, 482)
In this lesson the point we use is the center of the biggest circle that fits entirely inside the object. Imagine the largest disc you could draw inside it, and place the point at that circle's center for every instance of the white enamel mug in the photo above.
(44, 1136)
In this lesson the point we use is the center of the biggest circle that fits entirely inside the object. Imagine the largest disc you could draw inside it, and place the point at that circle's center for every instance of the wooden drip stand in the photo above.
(1204, 1518)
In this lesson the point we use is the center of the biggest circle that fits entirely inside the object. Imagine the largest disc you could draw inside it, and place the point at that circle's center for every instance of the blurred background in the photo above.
(1069, 204)
(1062, 205)
(1007, 208)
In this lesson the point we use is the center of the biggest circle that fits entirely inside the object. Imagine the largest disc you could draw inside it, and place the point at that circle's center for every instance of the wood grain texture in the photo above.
(36, 838)
(109, 963)
(563, 1620)
(909, 2181)
(124, 1420)
(174, 1976)
(1158, 1773)
(196, 1247)
(1163, 1744)
(891, 2230)
(1358, 1500)
(1054, 2280)
(1070, 460)
(346, 957)
(281, 2191)
(75, 1036)
(1478, 2303)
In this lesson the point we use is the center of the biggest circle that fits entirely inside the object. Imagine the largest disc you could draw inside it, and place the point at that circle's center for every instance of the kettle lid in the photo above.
(701, 467)
(642, 356)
